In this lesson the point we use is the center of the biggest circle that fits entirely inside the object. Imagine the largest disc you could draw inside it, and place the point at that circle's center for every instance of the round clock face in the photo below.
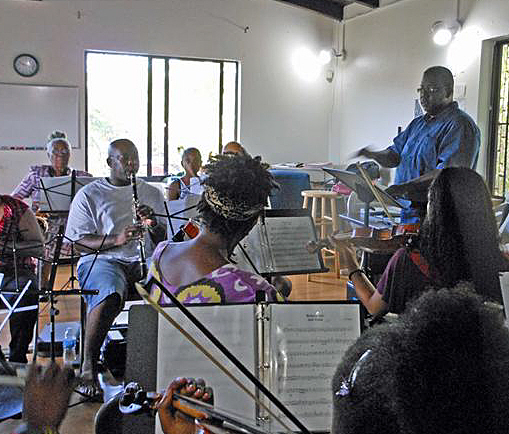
(26, 65)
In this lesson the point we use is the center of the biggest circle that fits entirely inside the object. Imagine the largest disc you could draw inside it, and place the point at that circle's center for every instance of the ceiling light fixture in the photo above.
(326, 56)
(444, 32)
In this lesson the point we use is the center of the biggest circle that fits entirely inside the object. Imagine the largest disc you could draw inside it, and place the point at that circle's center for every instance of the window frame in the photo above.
(494, 116)
(150, 58)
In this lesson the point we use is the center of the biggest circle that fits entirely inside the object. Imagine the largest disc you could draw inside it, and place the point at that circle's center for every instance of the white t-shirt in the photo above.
(101, 208)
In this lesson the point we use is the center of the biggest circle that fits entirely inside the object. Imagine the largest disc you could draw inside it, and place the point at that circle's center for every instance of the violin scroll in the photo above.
(135, 400)
(315, 246)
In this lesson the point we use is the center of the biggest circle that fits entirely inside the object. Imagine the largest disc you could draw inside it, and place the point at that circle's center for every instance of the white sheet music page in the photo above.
(234, 326)
(288, 237)
(307, 342)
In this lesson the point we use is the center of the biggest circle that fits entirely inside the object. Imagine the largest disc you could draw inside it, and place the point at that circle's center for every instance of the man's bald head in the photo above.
(122, 160)
(234, 148)
(436, 89)
(122, 145)
(441, 75)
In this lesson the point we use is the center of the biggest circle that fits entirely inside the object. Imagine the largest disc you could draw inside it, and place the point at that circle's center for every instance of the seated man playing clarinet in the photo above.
(114, 232)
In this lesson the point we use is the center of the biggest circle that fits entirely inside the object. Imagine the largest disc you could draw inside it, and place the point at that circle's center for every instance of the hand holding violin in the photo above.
(174, 421)
(347, 256)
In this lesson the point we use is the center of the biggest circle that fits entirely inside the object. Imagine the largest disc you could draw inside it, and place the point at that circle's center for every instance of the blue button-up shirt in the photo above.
(449, 139)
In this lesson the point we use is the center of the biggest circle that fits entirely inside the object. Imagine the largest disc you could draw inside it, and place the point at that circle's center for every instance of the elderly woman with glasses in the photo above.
(59, 151)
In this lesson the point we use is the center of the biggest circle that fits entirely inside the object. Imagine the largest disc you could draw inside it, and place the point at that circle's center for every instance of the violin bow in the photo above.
(375, 192)
(146, 296)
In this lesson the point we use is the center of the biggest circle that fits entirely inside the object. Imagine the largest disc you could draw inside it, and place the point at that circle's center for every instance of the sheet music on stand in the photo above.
(57, 192)
(293, 348)
(277, 244)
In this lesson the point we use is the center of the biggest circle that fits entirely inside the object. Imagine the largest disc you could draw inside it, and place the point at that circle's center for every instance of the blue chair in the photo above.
(291, 183)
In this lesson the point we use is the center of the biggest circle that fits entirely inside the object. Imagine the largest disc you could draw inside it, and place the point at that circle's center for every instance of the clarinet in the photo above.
(137, 220)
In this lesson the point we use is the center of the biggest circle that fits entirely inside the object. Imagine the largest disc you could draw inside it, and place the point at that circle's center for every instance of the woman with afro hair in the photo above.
(199, 270)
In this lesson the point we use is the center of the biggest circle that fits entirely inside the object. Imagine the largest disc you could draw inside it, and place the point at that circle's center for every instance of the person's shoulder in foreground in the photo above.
(441, 368)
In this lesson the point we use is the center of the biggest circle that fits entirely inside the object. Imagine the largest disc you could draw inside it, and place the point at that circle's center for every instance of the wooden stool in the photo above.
(324, 220)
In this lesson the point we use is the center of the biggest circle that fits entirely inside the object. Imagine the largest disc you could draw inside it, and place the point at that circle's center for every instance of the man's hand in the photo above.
(363, 152)
(130, 233)
(174, 422)
(147, 216)
(46, 396)
(386, 158)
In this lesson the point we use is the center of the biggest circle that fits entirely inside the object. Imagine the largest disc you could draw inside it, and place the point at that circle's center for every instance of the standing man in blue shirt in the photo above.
(444, 136)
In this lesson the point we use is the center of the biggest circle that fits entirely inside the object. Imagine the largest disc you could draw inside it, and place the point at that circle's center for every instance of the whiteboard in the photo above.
(29, 114)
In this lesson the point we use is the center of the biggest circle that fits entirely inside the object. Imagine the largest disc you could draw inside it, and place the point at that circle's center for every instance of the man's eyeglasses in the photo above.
(428, 90)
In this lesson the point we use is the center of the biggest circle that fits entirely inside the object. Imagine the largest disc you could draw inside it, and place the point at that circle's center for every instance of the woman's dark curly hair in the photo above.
(459, 237)
(440, 368)
(241, 179)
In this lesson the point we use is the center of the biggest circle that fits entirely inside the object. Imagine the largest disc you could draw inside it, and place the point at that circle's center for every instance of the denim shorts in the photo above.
(108, 276)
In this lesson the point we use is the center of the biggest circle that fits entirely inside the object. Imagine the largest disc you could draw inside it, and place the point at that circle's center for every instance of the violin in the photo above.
(135, 400)
(375, 240)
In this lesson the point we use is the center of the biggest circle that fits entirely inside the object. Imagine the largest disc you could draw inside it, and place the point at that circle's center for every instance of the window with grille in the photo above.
(499, 143)
(162, 104)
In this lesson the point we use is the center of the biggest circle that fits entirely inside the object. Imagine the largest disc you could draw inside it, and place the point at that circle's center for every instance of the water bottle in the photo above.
(69, 346)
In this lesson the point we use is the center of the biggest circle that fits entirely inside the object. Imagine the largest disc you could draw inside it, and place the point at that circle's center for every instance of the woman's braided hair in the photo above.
(236, 189)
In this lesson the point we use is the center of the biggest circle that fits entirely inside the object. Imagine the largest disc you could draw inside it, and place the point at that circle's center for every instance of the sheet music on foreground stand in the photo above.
(277, 245)
(293, 348)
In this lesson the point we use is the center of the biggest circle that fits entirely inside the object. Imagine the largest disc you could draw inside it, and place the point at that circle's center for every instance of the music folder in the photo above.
(292, 348)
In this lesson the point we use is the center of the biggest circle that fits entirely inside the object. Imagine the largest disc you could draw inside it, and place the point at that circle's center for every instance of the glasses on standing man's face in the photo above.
(429, 90)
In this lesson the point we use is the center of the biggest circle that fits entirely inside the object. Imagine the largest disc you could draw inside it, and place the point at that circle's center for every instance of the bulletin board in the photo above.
(30, 113)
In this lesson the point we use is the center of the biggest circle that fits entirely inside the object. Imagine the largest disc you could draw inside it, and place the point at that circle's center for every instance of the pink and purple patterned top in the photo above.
(224, 285)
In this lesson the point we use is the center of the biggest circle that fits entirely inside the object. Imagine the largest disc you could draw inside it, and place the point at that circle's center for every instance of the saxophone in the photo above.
(137, 220)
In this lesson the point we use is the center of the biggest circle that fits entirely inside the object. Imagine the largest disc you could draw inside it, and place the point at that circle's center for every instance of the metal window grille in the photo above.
(150, 155)
(500, 122)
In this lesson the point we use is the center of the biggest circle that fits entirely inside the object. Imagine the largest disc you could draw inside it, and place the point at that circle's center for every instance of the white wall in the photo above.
(282, 117)
(388, 50)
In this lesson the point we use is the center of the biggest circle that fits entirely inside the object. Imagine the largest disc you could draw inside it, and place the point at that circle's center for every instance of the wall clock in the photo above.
(26, 65)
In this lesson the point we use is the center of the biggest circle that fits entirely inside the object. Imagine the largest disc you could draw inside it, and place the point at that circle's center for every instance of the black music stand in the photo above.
(177, 214)
(364, 192)
(52, 294)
